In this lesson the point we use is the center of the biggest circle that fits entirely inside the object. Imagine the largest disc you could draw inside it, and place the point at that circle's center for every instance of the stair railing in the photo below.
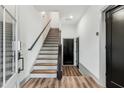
(59, 64)
(39, 36)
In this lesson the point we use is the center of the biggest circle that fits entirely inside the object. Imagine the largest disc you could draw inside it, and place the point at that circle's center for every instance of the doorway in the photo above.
(115, 47)
(68, 51)
(8, 52)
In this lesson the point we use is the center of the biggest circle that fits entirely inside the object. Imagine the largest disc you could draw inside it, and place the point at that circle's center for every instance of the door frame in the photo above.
(108, 51)
(102, 45)
(63, 52)
(13, 78)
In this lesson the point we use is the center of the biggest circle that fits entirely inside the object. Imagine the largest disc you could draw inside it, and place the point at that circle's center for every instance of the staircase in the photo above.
(46, 62)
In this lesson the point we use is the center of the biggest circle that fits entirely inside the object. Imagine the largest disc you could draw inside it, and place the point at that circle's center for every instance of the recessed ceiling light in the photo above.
(43, 12)
(71, 17)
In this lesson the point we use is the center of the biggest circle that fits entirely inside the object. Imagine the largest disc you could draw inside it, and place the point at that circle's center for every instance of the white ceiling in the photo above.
(65, 11)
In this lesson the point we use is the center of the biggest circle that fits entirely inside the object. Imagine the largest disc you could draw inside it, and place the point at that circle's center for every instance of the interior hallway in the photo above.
(38, 52)
(72, 78)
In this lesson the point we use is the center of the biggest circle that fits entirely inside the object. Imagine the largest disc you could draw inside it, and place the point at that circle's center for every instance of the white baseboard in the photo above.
(85, 71)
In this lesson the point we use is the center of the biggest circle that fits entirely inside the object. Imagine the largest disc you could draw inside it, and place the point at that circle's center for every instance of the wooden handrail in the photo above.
(39, 36)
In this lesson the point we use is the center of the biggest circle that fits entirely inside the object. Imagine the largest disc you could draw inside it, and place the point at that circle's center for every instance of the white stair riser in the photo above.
(44, 67)
(46, 61)
(43, 75)
(47, 56)
(48, 51)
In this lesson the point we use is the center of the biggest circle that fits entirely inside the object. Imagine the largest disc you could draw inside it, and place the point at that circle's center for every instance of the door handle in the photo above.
(22, 60)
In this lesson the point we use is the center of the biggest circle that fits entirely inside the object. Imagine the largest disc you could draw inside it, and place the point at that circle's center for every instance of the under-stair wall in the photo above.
(30, 24)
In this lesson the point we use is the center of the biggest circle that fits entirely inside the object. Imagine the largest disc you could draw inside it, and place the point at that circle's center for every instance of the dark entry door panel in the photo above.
(68, 45)
(115, 47)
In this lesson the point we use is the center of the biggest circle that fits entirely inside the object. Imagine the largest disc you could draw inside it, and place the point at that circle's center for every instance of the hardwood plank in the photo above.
(39, 83)
(42, 83)
(70, 79)
(45, 64)
(89, 83)
(43, 72)
(66, 82)
(93, 82)
(31, 85)
(71, 71)
(85, 82)
(27, 83)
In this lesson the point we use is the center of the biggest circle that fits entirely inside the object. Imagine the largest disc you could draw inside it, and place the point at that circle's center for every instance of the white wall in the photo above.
(11, 9)
(69, 31)
(89, 24)
(102, 43)
(30, 26)
(55, 19)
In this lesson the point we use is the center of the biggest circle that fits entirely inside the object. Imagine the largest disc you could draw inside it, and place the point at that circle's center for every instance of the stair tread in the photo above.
(43, 72)
(45, 64)
(51, 42)
(48, 53)
(49, 50)
(53, 38)
(50, 46)
(46, 58)
(46, 61)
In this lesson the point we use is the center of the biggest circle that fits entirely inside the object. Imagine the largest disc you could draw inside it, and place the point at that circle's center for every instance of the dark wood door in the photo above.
(115, 47)
(77, 52)
(68, 47)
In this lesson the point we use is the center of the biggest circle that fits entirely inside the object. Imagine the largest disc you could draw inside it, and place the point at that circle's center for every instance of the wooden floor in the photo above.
(72, 78)
(44, 71)
(71, 71)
